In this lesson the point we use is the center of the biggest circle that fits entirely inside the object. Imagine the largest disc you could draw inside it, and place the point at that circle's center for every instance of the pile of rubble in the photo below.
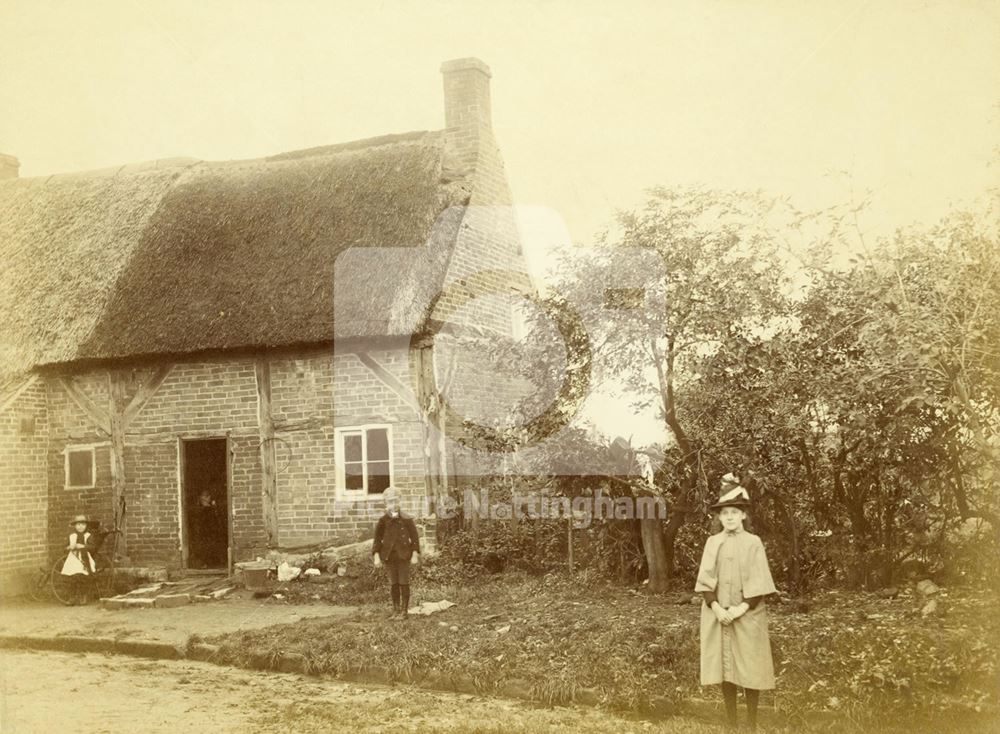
(264, 574)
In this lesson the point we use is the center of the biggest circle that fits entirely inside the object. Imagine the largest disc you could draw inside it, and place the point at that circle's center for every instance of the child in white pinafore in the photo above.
(733, 579)
(79, 562)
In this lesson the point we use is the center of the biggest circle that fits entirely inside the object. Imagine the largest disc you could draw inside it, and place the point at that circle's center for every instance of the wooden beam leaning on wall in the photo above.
(265, 423)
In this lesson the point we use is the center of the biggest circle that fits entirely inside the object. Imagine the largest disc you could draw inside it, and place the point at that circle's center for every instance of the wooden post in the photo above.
(230, 548)
(427, 399)
(265, 422)
(116, 420)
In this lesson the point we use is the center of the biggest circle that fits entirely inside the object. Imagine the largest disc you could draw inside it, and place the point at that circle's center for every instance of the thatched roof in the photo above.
(185, 255)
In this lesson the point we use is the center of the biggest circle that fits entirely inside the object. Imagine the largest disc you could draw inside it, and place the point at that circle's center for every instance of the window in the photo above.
(364, 465)
(79, 467)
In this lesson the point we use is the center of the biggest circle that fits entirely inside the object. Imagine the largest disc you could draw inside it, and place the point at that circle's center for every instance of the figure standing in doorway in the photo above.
(206, 527)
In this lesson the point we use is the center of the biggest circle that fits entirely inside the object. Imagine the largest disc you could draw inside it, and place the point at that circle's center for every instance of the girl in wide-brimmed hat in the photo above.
(79, 562)
(733, 579)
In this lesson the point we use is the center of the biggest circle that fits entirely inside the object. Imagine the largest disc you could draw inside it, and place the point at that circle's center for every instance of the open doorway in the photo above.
(206, 504)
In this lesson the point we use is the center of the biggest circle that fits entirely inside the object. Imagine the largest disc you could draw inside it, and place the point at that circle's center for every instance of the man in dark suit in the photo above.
(396, 546)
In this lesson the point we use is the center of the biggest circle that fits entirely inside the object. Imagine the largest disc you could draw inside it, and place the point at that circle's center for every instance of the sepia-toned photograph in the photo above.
(499, 367)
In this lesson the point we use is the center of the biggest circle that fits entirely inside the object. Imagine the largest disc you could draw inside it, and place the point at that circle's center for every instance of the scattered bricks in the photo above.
(146, 589)
(172, 600)
(137, 603)
(202, 598)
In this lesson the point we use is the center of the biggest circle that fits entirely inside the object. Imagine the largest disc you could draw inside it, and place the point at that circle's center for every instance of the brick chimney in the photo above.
(467, 107)
(8, 166)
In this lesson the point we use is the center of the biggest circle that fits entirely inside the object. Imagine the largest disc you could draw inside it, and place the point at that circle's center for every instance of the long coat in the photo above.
(396, 538)
(734, 566)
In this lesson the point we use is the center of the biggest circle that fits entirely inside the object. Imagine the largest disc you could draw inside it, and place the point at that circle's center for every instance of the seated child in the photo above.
(79, 562)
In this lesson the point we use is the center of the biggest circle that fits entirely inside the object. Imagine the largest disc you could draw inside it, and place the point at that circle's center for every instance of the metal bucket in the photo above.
(255, 576)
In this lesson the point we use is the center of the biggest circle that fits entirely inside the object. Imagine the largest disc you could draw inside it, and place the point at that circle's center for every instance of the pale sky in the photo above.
(592, 101)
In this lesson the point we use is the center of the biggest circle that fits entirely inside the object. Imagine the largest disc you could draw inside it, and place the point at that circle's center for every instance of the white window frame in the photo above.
(360, 495)
(80, 448)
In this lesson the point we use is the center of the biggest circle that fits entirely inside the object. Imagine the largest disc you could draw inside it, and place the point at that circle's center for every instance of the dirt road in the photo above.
(50, 619)
(96, 694)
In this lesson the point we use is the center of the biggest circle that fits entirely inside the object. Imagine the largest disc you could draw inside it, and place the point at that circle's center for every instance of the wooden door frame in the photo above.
(182, 503)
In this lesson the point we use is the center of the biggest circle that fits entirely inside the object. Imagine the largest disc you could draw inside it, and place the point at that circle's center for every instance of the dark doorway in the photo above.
(206, 504)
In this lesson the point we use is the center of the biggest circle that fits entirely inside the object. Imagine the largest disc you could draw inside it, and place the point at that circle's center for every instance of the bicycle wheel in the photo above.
(104, 582)
(62, 586)
(40, 589)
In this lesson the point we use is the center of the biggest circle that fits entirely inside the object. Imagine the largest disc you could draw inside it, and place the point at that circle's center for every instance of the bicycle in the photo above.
(51, 581)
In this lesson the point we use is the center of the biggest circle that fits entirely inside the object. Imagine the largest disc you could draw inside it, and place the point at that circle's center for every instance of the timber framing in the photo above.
(146, 391)
(10, 396)
(99, 417)
(265, 423)
(116, 420)
(389, 380)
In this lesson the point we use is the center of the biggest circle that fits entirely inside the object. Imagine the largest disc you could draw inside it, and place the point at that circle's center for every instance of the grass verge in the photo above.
(854, 658)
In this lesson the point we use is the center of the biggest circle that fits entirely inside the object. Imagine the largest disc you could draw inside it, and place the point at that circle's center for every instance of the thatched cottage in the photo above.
(254, 337)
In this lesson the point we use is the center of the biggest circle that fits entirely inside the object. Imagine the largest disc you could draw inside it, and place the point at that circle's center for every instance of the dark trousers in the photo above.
(399, 578)
(399, 570)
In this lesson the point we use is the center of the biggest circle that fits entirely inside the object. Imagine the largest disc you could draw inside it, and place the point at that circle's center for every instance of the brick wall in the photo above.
(68, 427)
(337, 385)
(487, 258)
(218, 399)
(152, 534)
(323, 391)
(23, 487)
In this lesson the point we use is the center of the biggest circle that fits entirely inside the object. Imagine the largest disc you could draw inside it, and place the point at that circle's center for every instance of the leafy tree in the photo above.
(719, 275)
(874, 420)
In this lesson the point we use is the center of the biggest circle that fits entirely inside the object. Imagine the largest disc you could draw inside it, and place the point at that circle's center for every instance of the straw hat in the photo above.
(79, 518)
(732, 496)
